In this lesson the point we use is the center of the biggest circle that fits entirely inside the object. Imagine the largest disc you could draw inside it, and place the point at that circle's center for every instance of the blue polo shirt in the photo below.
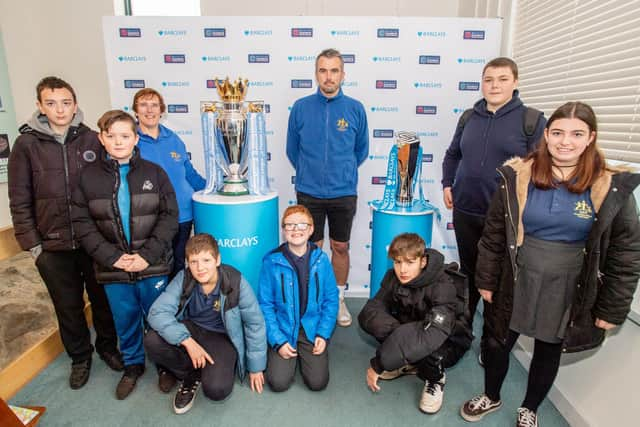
(206, 310)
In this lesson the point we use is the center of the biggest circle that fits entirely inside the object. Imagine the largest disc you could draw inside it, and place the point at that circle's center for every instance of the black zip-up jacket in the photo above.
(153, 218)
(611, 261)
(413, 320)
(43, 175)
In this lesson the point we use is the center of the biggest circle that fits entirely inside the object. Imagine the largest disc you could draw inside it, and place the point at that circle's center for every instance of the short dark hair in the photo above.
(500, 62)
(52, 82)
(407, 245)
(202, 242)
(110, 117)
(330, 53)
(148, 93)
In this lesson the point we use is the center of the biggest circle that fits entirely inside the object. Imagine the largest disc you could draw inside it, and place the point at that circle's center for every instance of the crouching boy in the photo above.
(207, 327)
(418, 318)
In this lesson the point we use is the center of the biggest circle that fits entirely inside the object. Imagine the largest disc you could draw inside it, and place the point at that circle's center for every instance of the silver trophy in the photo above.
(408, 145)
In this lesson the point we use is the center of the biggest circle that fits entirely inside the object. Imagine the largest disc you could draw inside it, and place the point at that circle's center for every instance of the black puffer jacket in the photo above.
(612, 255)
(42, 177)
(415, 319)
(153, 218)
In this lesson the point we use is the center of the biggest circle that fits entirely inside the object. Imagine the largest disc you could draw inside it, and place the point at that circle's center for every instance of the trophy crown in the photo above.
(232, 92)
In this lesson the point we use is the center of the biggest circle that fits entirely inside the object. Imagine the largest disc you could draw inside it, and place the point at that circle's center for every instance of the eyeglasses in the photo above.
(149, 106)
(289, 226)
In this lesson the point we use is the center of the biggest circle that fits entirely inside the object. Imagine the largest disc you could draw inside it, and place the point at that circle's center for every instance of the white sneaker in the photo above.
(526, 418)
(432, 395)
(344, 317)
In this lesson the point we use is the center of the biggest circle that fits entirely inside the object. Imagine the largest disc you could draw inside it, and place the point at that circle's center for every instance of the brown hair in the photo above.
(294, 209)
(330, 53)
(202, 242)
(407, 245)
(591, 163)
(500, 62)
(148, 93)
(110, 117)
(52, 82)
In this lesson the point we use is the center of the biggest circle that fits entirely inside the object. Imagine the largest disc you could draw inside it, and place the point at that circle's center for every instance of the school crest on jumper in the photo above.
(582, 210)
(342, 125)
(175, 156)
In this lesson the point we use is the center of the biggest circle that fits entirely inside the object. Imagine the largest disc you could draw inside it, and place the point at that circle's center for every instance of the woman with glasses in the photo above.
(299, 300)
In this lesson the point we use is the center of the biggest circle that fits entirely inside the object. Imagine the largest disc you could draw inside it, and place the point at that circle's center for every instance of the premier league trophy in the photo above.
(234, 139)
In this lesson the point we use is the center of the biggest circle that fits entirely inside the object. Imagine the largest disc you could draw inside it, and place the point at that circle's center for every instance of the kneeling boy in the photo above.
(418, 317)
(207, 326)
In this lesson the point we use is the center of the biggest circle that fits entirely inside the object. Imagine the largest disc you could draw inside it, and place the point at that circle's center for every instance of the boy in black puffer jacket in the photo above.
(418, 316)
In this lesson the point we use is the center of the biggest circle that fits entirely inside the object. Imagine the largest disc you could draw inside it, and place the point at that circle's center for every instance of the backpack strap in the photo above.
(530, 121)
(465, 117)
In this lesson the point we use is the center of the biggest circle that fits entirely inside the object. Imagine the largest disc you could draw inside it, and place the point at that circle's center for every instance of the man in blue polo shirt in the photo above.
(327, 140)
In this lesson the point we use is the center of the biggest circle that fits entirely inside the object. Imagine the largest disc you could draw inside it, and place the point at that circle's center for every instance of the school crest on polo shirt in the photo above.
(175, 156)
(582, 210)
(342, 125)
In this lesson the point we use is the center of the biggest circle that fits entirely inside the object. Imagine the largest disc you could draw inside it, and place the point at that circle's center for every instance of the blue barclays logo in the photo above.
(475, 86)
(172, 33)
(257, 33)
(471, 60)
(132, 58)
(301, 58)
(473, 35)
(258, 58)
(260, 83)
(427, 85)
(268, 156)
(184, 132)
(134, 84)
(427, 158)
(176, 84)
(349, 58)
(216, 58)
(267, 108)
(301, 84)
(426, 109)
(428, 134)
(449, 247)
(458, 110)
(378, 180)
(130, 32)
(386, 59)
(175, 59)
(383, 133)
(178, 108)
(378, 157)
(429, 59)
(385, 109)
(215, 32)
(388, 33)
(345, 33)
(432, 34)
(427, 180)
(302, 32)
(450, 225)
(350, 84)
(386, 84)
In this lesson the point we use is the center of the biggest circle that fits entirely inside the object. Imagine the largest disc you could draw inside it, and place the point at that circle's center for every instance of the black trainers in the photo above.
(476, 408)
(113, 360)
(128, 381)
(186, 395)
(79, 374)
(166, 380)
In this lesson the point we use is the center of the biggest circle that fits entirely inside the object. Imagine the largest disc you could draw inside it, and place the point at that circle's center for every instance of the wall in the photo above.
(7, 126)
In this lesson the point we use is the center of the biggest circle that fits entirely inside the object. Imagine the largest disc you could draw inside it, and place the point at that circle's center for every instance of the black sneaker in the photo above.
(128, 381)
(113, 360)
(166, 380)
(79, 374)
(186, 395)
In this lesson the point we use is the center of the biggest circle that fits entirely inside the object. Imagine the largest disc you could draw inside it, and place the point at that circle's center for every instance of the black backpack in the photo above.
(529, 122)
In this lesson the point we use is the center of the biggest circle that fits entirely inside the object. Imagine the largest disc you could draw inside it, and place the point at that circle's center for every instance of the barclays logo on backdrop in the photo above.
(345, 33)
(258, 33)
(450, 225)
(427, 180)
(175, 59)
(383, 133)
(458, 110)
(350, 84)
(301, 84)
(427, 158)
(432, 34)
(427, 85)
(426, 109)
(378, 157)
(385, 109)
(473, 35)
(260, 83)
(132, 58)
(134, 84)
(302, 32)
(301, 58)
(258, 58)
(178, 108)
(471, 60)
(215, 32)
(349, 58)
(386, 59)
(378, 180)
(386, 84)
(184, 132)
(130, 32)
(388, 33)
(172, 33)
(474, 86)
(176, 84)
(428, 134)
(429, 59)
(216, 58)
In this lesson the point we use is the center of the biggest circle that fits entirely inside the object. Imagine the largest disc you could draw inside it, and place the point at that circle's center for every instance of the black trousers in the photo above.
(178, 245)
(468, 230)
(67, 274)
(217, 379)
(433, 366)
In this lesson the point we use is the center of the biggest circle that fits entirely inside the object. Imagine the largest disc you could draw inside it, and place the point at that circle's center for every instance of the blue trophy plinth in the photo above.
(387, 224)
(246, 228)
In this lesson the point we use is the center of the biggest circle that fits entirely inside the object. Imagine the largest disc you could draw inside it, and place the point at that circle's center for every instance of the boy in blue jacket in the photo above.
(299, 299)
(207, 326)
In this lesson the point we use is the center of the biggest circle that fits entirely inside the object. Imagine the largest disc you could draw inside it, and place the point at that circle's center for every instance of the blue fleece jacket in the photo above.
(170, 153)
(485, 142)
(327, 139)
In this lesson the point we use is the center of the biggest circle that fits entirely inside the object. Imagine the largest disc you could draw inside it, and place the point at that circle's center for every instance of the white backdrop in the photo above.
(414, 74)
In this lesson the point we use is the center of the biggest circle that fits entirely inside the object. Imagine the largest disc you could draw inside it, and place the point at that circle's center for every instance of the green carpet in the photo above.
(346, 402)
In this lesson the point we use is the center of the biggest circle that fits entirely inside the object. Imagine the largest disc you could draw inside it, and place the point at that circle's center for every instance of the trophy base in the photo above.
(234, 188)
